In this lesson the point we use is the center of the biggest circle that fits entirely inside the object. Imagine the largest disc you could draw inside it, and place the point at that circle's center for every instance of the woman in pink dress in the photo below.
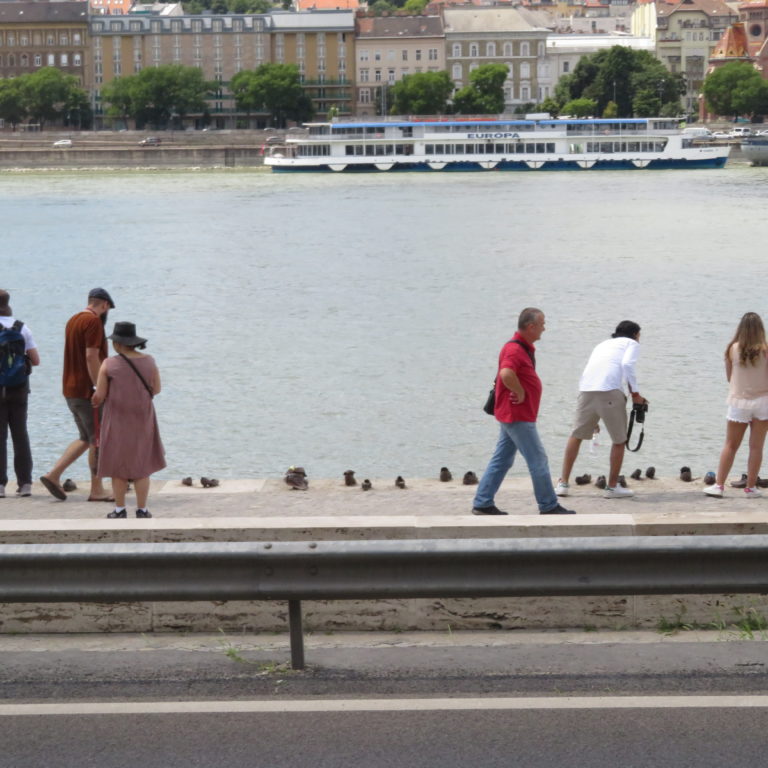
(130, 447)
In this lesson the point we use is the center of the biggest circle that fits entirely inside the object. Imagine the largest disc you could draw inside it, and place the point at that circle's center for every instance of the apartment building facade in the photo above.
(220, 46)
(388, 49)
(322, 45)
(476, 35)
(35, 35)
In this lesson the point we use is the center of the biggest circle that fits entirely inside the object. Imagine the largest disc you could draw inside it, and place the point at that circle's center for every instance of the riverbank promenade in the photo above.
(425, 508)
(267, 510)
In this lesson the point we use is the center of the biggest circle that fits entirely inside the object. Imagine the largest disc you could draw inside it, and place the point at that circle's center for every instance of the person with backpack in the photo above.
(18, 353)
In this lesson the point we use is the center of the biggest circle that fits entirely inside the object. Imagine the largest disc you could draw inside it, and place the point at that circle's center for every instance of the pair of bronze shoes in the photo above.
(742, 483)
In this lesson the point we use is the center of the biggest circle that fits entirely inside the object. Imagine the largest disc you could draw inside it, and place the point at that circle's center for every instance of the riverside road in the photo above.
(491, 699)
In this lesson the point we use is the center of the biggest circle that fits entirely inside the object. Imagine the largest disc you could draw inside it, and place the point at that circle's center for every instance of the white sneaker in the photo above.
(561, 489)
(25, 490)
(714, 490)
(617, 493)
(752, 493)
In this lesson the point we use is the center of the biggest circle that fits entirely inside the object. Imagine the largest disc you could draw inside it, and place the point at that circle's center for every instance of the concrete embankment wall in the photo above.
(610, 612)
(132, 157)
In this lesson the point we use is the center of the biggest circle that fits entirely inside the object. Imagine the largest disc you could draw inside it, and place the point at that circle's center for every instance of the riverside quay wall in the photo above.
(266, 510)
(72, 158)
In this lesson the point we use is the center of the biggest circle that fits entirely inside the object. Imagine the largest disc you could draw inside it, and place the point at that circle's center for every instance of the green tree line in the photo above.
(44, 97)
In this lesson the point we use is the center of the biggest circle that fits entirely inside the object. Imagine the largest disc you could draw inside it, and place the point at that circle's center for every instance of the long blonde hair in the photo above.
(750, 336)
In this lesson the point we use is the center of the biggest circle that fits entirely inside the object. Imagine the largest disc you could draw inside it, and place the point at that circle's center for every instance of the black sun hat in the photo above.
(125, 334)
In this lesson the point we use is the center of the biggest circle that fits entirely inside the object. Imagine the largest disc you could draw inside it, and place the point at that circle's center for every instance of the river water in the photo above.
(340, 322)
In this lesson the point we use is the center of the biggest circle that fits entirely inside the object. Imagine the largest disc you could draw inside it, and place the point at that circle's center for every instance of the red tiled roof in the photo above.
(327, 5)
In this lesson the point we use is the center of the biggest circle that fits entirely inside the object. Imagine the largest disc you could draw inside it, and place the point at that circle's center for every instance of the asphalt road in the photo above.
(483, 699)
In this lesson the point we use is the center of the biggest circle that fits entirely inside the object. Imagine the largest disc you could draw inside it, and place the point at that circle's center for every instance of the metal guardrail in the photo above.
(346, 570)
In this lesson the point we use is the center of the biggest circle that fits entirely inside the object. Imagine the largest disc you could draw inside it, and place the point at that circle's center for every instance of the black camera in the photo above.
(639, 410)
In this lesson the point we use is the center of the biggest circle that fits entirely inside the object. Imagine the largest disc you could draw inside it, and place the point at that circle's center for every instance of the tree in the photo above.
(273, 88)
(12, 107)
(46, 94)
(380, 7)
(549, 105)
(156, 95)
(423, 93)
(736, 89)
(415, 7)
(485, 93)
(627, 78)
(118, 94)
(580, 107)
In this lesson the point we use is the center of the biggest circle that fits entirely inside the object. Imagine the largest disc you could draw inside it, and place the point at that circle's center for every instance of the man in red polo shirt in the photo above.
(518, 394)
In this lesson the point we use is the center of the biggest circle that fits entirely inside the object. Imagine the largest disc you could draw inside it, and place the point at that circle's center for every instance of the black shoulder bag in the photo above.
(490, 403)
(136, 371)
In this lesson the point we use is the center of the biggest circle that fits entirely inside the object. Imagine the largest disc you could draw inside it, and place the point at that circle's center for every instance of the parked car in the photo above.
(63, 143)
(720, 135)
(150, 141)
(740, 132)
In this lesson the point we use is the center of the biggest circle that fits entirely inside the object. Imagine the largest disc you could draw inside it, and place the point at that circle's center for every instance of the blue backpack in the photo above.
(14, 366)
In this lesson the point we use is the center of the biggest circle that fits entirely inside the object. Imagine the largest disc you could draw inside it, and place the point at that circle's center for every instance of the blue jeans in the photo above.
(522, 436)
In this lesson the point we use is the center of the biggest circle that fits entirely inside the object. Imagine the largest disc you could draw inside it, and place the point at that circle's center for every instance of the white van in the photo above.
(740, 132)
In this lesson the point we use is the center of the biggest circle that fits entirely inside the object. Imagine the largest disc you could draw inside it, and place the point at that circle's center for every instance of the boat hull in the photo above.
(505, 165)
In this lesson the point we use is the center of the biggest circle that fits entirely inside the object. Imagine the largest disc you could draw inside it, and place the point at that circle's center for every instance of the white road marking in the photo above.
(381, 705)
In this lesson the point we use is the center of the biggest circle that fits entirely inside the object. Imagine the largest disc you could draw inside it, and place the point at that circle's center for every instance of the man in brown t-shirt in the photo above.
(85, 346)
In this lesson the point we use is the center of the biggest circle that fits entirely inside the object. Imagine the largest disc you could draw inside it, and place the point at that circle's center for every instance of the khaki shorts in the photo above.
(608, 407)
(82, 411)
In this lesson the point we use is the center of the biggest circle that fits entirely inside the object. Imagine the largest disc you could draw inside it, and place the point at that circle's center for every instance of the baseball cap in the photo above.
(100, 293)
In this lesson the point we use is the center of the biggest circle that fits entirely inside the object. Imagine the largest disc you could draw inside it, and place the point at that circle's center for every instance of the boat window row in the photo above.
(314, 150)
(610, 147)
(371, 150)
(518, 148)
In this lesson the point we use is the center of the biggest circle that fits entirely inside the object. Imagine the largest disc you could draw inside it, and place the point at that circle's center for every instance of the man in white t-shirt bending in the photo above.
(610, 371)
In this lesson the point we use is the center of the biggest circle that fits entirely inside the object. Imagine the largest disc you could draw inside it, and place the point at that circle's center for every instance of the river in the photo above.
(341, 322)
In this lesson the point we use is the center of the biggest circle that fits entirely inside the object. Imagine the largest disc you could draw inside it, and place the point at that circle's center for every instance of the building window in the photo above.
(23, 39)
(197, 25)
(377, 75)
(38, 60)
(77, 60)
(566, 66)
(63, 39)
(11, 39)
(51, 40)
(418, 54)
(541, 51)
(24, 60)
(525, 93)
(391, 76)
(377, 56)
(51, 59)
(456, 48)
(363, 75)
(64, 60)
(433, 54)
(456, 71)
(474, 49)
(405, 55)
(525, 49)
(365, 95)
(364, 55)
(525, 70)
(490, 49)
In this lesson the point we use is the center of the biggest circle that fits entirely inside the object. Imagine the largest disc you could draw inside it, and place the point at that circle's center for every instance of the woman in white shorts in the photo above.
(746, 367)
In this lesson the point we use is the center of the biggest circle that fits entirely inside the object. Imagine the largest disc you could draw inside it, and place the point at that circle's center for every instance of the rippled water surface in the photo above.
(354, 321)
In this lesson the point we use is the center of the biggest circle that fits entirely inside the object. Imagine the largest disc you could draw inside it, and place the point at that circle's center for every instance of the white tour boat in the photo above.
(455, 143)
(755, 149)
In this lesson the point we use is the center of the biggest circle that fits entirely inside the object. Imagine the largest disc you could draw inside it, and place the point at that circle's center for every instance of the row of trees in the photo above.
(618, 82)
(44, 97)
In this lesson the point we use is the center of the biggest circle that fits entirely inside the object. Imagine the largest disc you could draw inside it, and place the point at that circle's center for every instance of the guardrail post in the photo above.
(296, 633)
